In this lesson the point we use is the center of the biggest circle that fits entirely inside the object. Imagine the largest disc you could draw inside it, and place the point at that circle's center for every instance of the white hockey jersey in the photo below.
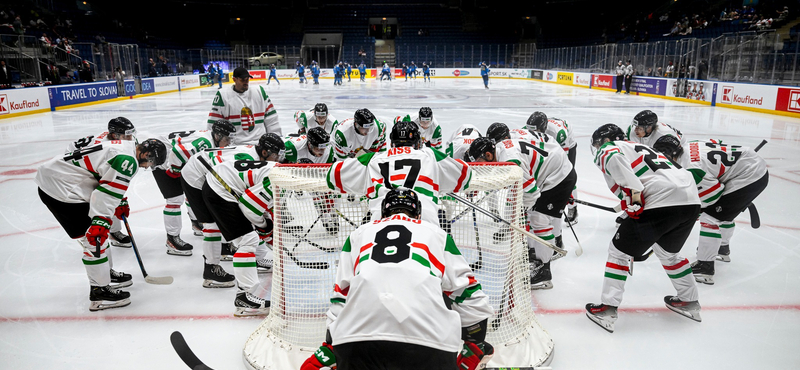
(660, 130)
(347, 142)
(184, 144)
(432, 136)
(249, 186)
(544, 164)
(98, 174)
(461, 140)
(306, 120)
(636, 166)
(194, 172)
(427, 171)
(88, 141)
(389, 288)
(297, 149)
(520, 134)
(720, 169)
(559, 130)
(250, 112)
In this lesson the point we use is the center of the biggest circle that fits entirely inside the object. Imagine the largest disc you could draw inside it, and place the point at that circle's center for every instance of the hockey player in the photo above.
(83, 189)
(485, 74)
(183, 145)
(662, 204)
(728, 178)
(272, 74)
(412, 70)
(646, 129)
(387, 310)
(461, 140)
(315, 146)
(315, 72)
(428, 126)
(499, 131)
(349, 70)
(426, 171)
(359, 135)
(559, 130)
(323, 119)
(548, 180)
(405, 71)
(386, 71)
(362, 70)
(426, 72)
(249, 110)
(301, 72)
(119, 128)
(239, 198)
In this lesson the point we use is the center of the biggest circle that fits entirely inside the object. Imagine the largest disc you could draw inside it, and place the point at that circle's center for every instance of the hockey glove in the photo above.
(98, 232)
(323, 358)
(123, 210)
(474, 355)
(173, 174)
(632, 203)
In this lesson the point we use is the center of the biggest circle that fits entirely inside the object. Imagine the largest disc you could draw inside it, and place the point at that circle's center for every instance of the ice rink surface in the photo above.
(751, 316)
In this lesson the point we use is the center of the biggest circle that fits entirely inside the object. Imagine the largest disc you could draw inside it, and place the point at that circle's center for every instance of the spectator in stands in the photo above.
(783, 14)
(47, 45)
(119, 75)
(650, 73)
(100, 39)
(151, 69)
(659, 72)
(5, 75)
(85, 73)
(670, 70)
(164, 67)
(702, 70)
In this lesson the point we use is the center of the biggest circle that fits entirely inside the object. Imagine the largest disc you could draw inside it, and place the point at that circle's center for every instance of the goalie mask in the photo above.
(401, 201)
(670, 146)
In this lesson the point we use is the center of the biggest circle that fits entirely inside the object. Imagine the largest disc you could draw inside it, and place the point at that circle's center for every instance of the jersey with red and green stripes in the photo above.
(245, 182)
(98, 174)
(194, 172)
(720, 169)
(307, 120)
(427, 171)
(639, 167)
(297, 149)
(544, 165)
(88, 141)
(661, 129)
(559, 130)
(184, 144)
(251, 113)
(347, 143)
(389, 285)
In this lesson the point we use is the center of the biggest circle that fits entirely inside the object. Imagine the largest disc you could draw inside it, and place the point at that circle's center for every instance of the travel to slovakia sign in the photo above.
(81, 93)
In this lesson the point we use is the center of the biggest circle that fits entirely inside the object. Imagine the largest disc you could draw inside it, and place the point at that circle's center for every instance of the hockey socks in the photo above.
(97, 267)
(172, 215)
(212, 243)
(680, 273)
(244, 261)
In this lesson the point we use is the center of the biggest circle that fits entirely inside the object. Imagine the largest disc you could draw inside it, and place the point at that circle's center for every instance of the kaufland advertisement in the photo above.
(23, 100)
(747, 95)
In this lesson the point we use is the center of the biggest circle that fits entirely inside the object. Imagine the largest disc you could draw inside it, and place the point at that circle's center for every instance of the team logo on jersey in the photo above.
(248, 121)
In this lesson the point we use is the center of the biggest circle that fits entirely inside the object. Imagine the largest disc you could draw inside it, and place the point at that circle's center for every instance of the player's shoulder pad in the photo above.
(340, 138)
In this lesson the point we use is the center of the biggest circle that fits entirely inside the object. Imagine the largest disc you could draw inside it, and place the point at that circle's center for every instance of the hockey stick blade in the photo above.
(157, 280)
(585, 203)
(185, 353)
(755, 219)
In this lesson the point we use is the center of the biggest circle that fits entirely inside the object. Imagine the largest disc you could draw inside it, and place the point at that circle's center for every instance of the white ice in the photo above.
(751, 317)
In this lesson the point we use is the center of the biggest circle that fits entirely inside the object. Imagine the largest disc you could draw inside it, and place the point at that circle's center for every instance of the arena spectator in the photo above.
(5, 75)
(151, 69)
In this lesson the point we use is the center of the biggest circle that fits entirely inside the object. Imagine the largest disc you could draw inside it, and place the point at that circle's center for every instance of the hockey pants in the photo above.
(618, 268)
(713, 233)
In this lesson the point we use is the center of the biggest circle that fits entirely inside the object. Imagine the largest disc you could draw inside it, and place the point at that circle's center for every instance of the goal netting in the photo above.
(311, 225)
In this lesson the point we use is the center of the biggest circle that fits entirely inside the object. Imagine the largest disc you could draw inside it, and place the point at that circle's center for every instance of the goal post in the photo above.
(312, 223)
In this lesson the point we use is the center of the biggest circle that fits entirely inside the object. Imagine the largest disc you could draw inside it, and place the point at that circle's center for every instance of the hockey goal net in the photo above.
(311, 225)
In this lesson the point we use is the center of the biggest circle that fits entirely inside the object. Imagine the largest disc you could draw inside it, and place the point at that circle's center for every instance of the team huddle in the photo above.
(222, 175)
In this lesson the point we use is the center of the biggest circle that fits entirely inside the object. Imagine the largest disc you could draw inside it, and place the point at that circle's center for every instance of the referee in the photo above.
(628, 76)
(620, 76)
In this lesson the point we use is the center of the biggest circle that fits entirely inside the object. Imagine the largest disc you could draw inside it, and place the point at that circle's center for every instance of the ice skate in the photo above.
(105, 297)
(603, 315)
(724, 253)
(227, 252)
(703, 272)
(560, 244)
(572, 216)
(197, 228)
(215, 277)
(118, 239)
(264, 265)
(541, 276)
(120, 279)
(177, 247)
(688, 309)
(250, 305)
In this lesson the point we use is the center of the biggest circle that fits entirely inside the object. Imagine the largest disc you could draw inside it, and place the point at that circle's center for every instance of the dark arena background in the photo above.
(723, 70)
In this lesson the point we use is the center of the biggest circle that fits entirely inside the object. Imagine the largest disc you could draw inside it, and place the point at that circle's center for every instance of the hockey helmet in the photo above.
(305, 161)
(364, 118)
(645, 119)
(401, 201)
(537, 122)
(121, 126)
(155, 152)
(405, 134)
(608, 131)
(425, 114)
(670, 146)
(321, 110)
(273, 144)
(498, 132)
(479, 148)
(318, 138)
(221, 130)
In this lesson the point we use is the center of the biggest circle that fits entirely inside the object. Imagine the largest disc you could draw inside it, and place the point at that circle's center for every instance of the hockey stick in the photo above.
(579, 251)
(513, 226)
(458, 217)
(760, 145)
(755, 219)
(160, 280)
(185, 353)
(614, 209)
(309, 265)
(479, 263)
